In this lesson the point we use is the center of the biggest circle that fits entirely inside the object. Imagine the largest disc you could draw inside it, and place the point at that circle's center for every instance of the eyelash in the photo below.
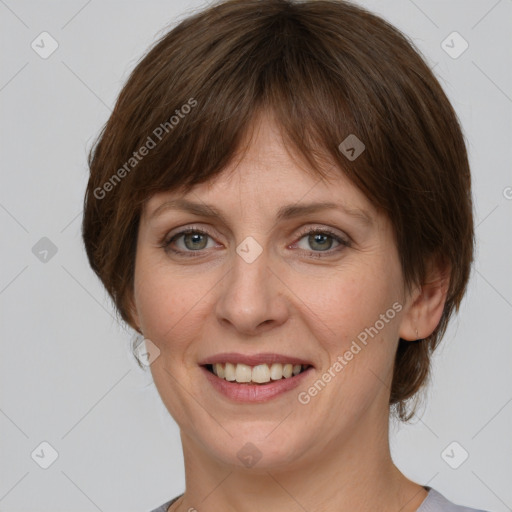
(166, 244)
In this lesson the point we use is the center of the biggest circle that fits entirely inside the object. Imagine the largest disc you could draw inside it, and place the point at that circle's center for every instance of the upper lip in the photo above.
(254, 359)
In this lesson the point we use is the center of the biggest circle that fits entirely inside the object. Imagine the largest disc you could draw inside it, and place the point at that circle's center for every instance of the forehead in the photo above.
(265, 172)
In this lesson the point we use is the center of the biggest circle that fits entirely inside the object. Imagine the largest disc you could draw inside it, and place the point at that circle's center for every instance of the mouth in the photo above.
(260, 374)
(255, 378)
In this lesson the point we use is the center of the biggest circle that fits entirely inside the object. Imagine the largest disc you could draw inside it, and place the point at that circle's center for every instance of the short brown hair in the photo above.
(325, 69)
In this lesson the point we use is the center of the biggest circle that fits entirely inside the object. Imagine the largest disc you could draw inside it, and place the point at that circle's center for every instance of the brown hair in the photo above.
(325, 69)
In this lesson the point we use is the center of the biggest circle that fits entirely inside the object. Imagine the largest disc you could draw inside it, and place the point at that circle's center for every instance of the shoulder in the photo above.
(166, 505)
(436, 502)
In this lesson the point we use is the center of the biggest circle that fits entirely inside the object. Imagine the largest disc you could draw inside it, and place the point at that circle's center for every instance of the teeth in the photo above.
(243, 373)
(218, 369)
(261, 373)
(287, 370)
(258, 374)
(229, 372)
(276, 371)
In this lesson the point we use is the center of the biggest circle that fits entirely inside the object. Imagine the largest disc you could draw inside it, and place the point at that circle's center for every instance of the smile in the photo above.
(259, 374)
(254, 392)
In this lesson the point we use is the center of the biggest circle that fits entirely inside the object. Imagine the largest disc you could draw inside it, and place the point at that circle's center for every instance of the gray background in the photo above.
(67, 376)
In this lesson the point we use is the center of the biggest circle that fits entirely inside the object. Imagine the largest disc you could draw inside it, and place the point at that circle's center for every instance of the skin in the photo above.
(333, 453)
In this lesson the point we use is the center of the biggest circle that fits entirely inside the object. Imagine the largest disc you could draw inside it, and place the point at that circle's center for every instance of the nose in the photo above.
(251, 298)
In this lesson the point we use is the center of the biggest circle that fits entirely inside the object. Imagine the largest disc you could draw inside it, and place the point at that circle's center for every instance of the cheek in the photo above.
(346, 302)
(356, 324)
(353, 316)
(157, 298)
(169, 303)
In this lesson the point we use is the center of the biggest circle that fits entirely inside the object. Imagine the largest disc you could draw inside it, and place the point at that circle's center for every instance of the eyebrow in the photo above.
(284, 213)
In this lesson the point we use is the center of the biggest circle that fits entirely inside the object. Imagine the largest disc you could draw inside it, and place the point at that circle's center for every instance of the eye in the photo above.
(321, 241)
(195, 241)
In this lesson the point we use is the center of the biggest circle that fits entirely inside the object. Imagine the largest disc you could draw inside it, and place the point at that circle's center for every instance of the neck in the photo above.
(354, 473)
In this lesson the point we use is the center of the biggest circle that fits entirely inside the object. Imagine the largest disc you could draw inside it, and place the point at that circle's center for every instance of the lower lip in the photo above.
(251, 393)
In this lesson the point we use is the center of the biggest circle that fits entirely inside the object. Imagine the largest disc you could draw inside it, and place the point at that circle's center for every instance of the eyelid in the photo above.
(303, 231)
(183, 230)
(323, 229)
(342, 239)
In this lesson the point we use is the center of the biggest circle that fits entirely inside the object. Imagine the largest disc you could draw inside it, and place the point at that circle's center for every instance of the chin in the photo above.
(258, 448)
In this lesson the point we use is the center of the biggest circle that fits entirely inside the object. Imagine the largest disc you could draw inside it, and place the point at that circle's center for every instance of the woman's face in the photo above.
(259, 284)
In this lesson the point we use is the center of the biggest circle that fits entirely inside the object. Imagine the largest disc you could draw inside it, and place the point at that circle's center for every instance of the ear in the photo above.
(133, 314)
(425, 308)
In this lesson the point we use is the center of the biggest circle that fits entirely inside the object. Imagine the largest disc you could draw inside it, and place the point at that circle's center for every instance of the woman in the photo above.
(280, 204)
